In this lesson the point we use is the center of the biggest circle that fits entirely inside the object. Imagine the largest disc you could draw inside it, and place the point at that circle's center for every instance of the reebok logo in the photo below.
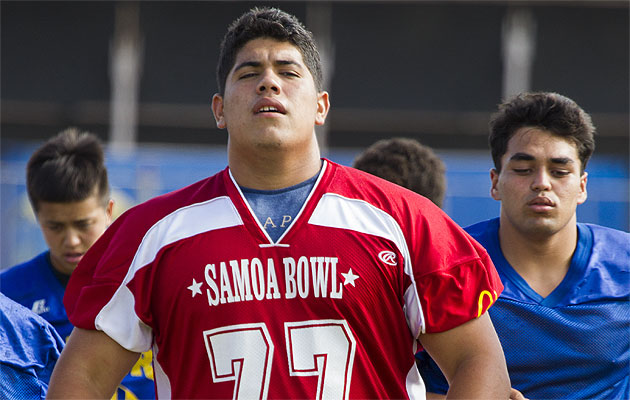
(388, 257)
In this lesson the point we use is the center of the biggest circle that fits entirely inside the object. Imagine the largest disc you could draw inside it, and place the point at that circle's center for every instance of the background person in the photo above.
(68, 188)
(408, 163)
(563, 317)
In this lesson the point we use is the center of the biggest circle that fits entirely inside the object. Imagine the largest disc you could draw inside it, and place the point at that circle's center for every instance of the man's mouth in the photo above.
(73, 258)
(268, 105)
(541, 205)
(541, 201)
(268, 109)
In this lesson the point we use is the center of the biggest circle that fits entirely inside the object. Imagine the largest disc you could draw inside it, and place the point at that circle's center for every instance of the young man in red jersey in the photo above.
(285, 275)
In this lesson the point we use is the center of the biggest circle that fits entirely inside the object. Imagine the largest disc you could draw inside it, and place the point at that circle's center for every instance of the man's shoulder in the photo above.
(201, 190)
(352, 182)
(18, 273)
(22, 328)
(156, 208)
(162, 218)
(30, 347)
(479, 230)
(610, 252)
(611, 235)
(610, 247)
(33, 285)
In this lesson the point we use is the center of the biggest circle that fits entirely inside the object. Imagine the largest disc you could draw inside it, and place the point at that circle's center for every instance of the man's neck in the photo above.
(62, 277)
(274, 170)
(543, 261)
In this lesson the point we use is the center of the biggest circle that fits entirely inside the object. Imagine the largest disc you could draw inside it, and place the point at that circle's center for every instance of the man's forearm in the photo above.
(71, 383)
(478, 378)
(90, 367)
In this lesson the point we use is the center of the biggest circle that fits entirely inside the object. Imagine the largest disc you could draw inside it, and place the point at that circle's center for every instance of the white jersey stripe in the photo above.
(118, 318)
(337, 211)
(415, 385)
(162, 383)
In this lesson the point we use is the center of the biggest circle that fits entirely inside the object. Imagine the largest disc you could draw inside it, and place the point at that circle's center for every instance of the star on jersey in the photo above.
(349, 277)
(195, 287)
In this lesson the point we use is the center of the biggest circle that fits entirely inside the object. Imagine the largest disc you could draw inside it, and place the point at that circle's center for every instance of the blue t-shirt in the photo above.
(34, 285)
(29, 349)
(574, 343)
(277, 209)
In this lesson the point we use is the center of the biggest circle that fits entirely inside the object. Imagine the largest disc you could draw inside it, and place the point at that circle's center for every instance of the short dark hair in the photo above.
(408, 163)
(547, 111)
(67, 168)
(272, 23)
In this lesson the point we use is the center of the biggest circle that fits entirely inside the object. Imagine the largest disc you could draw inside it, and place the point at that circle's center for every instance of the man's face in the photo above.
(540, 184)
(270, 99)
(71, 228)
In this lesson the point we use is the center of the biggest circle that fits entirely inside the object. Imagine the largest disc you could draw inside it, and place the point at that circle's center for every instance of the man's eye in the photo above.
(247, 75)
(521, 170)
(290, 73)
(560, 173)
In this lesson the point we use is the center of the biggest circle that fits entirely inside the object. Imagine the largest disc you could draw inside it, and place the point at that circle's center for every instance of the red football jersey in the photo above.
(330, 310)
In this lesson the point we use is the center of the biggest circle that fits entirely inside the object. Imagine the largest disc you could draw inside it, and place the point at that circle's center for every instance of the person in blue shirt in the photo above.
(564, 315)
(68, 188)
(29, 349)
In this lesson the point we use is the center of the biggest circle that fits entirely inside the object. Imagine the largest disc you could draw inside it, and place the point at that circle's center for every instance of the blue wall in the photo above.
(152, 170)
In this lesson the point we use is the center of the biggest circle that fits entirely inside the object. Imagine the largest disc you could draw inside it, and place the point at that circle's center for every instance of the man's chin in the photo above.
(67, 264)
(542, 227)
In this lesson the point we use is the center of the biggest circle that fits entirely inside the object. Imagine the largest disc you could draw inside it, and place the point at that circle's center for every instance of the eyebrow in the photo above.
(256, 64)
(529, 157)
(561, 160)
(77, 221)
(521, 157)
(247, 64)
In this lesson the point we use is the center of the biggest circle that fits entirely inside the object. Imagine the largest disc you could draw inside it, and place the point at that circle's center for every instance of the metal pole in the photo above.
(519, 48)
(319, 21)
(125, 71)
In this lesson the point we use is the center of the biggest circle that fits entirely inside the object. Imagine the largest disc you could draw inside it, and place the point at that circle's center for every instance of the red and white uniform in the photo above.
(331, 310)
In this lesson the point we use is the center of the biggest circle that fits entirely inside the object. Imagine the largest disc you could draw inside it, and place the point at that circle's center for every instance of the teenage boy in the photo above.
(328, 304)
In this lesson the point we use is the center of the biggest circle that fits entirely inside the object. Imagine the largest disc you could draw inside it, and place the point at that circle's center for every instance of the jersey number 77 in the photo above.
(244, 353)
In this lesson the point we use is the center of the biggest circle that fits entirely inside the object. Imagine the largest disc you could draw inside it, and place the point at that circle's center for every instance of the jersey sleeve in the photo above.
(112, 289)
(458, 294)
(98, 296)
(454, 276)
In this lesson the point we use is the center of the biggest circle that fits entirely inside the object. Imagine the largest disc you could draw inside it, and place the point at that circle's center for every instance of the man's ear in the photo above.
(323, 105)
(217, 110)
(494, 179)
(109, 211)
(583, 193)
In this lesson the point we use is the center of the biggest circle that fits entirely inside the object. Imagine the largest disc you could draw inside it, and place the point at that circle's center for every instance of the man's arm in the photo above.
(471, 358)
(91, 366)
(514, 395)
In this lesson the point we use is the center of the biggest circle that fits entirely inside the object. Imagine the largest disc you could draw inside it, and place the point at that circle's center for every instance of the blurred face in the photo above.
(71, 228)
(270, 99)
(540, 184)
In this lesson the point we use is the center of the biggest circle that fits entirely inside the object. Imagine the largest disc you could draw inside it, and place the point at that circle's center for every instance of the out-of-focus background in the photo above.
(141, 76)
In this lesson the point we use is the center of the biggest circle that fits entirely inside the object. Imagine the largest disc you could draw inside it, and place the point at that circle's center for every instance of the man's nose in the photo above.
(268, 82)
(72, 238)
(541, 181)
